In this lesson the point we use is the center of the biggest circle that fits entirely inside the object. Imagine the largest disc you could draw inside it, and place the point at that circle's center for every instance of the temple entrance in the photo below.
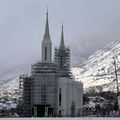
(42, 111)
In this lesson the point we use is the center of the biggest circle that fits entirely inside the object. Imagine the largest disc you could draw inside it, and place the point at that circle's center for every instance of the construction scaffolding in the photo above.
(44, 89)
(25, 89)
(62, 60)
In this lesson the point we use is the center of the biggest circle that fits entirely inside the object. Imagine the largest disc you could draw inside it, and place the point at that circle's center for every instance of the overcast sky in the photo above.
(89, 25)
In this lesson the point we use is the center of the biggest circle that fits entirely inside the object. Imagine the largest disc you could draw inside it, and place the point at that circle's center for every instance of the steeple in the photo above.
(62, 45)
(62, 57)
(47, 24)
(46, 43)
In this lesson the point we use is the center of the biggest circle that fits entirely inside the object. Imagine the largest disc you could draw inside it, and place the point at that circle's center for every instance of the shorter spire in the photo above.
(62, 45)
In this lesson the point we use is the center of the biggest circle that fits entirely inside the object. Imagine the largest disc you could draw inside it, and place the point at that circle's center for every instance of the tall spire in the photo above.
(46, 43)
(62, 45)
(47, 24)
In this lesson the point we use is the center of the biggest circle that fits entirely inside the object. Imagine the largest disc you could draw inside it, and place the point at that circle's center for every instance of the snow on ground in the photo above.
(81, 118)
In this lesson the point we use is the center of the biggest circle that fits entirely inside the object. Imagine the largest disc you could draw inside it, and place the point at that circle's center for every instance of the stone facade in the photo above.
(71, 99)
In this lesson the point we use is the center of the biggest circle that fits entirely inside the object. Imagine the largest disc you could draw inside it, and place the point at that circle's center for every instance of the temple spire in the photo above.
(46, 44)
(62, 45)
(47, 24)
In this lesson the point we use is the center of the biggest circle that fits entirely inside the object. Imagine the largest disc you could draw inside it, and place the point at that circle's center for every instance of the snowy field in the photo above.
(83, 118)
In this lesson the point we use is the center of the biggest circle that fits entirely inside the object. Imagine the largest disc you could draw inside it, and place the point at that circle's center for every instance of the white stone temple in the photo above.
(51, 89)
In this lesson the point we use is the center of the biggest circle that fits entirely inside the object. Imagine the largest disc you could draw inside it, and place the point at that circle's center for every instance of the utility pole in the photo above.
(116, 76)
(116, 79)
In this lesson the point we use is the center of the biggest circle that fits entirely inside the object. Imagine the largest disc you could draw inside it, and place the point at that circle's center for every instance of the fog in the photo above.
(89, 25)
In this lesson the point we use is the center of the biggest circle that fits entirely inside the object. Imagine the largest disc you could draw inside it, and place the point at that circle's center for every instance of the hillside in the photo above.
(97, 72)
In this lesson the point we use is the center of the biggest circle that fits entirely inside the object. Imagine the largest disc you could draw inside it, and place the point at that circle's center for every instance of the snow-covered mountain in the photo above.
(9, 93)
(98, 70)
(9, 88)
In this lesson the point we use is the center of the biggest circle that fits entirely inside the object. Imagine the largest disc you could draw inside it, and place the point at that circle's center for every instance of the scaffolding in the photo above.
(24, 90)
(62, 60)
(44, 87)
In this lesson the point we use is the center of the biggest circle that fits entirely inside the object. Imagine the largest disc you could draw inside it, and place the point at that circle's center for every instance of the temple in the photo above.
(51, 90)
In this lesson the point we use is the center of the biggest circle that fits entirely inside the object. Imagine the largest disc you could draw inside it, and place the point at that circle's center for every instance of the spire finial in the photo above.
(62, 24)
(47, 11)
(62, 45)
